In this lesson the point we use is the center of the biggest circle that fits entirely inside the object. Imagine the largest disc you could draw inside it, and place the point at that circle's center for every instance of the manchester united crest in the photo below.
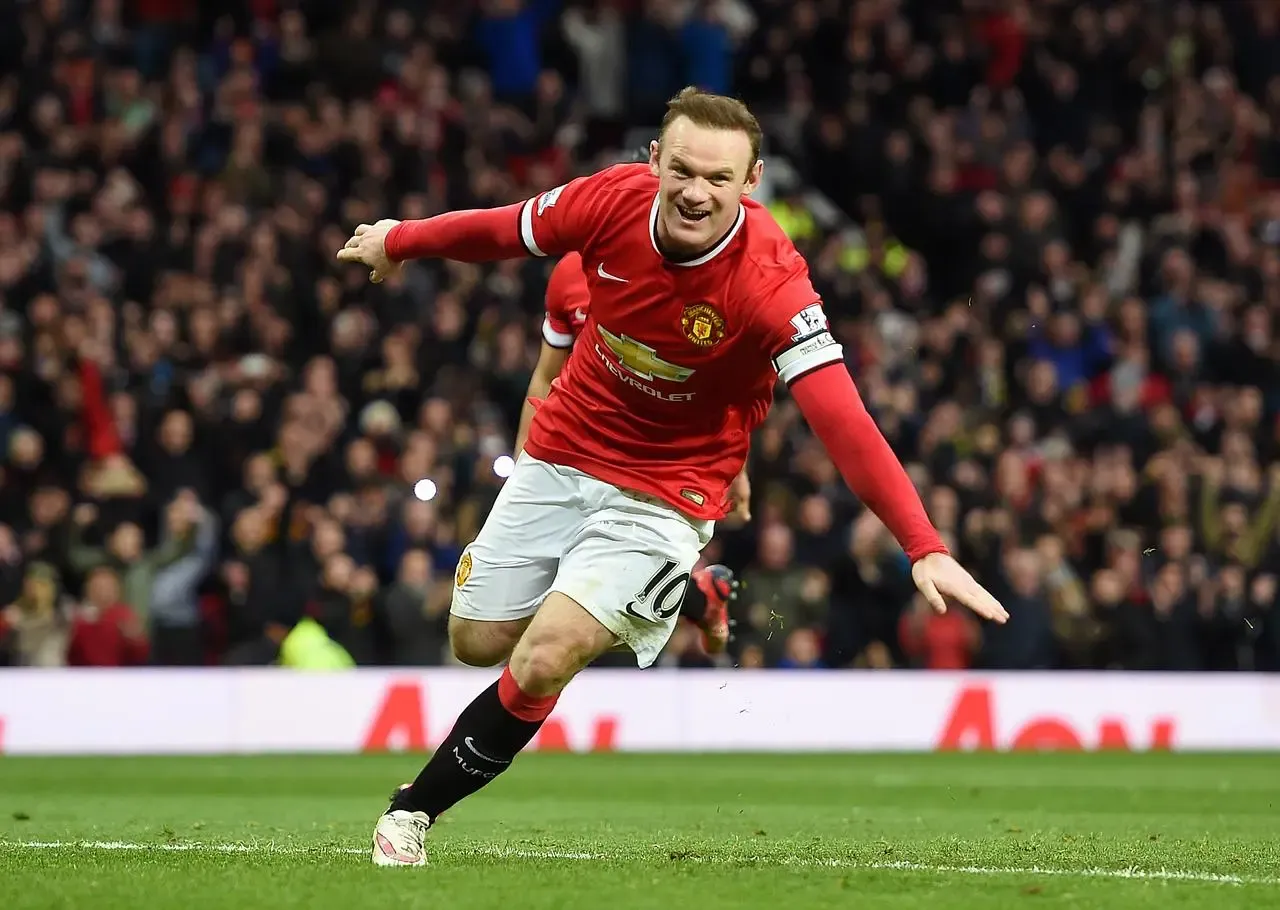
(702, 324)
(464, 570)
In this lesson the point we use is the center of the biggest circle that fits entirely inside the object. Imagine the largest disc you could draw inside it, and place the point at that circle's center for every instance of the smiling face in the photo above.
(706, 160)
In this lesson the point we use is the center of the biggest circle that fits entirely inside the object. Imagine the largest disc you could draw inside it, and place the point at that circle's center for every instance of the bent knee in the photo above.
(544, 668)
(483, 644)
(562, 639)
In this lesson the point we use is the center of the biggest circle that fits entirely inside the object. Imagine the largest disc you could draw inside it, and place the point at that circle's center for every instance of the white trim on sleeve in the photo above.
(554, 338)
(526, 229)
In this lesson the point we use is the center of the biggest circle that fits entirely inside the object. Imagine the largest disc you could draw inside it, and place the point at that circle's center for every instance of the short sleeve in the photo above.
(797, 335)
(556, 333)
(566, 291)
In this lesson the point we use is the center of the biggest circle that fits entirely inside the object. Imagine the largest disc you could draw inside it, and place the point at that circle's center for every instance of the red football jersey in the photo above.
(678, 359)
(568, 301)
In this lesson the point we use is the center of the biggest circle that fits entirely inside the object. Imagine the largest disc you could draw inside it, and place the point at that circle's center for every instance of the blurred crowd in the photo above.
(1056, 276)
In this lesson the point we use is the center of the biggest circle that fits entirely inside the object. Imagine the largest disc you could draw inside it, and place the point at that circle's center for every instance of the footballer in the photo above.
(700, 304)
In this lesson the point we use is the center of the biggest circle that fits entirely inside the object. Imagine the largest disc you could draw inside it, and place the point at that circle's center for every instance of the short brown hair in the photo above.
(717, 112)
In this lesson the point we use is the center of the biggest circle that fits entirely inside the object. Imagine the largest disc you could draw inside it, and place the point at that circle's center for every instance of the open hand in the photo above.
(939, 578)
(368, 246)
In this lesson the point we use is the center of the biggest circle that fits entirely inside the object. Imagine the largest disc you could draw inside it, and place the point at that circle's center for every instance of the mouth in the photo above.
(691, 216)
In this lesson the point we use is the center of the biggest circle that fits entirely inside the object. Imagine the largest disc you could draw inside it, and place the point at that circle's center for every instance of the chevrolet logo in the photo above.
(642, 359)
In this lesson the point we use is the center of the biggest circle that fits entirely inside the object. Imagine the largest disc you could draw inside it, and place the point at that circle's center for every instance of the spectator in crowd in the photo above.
(175, 617)
(106, 631)
(780, 596)
(33, 630)
(415, 611)
(1047, 235)
(126, 553)
(949, 641)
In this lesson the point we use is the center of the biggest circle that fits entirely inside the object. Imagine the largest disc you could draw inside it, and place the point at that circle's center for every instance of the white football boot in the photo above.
(399, 839)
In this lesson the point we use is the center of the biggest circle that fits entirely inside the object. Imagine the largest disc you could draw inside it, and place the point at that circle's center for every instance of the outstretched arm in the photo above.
(831, 404)
(474, 235)
(549, 224)
(811, 362)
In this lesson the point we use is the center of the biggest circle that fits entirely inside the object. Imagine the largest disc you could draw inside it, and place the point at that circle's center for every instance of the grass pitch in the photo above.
(661, 831)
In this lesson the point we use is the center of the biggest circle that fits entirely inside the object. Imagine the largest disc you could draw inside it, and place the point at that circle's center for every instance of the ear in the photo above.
(654, 151)
(753, 178)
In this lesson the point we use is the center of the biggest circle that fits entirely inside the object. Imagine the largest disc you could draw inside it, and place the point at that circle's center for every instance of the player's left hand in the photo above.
(740, 497)
(368, 246)
(939, 578)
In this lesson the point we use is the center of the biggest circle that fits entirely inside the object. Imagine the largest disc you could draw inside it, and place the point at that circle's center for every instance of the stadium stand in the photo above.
(1048, 234)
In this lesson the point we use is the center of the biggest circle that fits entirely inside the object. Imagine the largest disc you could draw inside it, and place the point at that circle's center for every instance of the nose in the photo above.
(696, 192)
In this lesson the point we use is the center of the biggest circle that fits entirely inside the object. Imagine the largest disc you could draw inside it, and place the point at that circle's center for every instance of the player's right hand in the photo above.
(368, 246)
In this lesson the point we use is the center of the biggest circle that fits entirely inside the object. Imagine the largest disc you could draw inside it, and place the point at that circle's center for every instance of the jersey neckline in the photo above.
(709, 254)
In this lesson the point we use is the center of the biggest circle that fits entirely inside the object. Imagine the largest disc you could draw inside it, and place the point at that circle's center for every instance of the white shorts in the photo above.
(624, 556)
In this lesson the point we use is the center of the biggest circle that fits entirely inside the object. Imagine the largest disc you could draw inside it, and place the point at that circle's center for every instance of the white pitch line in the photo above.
(495, 852)
(187, 847)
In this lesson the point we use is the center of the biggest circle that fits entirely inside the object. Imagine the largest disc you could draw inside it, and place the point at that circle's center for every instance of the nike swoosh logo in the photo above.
(603, 274)
(470, 744)
(631, 608)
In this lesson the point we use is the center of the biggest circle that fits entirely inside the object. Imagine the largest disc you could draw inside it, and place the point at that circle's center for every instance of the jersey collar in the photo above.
(709, 254)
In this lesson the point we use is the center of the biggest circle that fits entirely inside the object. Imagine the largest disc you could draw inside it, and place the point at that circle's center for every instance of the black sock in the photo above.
(481, 745)
(694, 605)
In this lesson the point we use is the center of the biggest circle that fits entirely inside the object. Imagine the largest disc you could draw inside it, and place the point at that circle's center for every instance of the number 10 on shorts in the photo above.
(662, 593)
